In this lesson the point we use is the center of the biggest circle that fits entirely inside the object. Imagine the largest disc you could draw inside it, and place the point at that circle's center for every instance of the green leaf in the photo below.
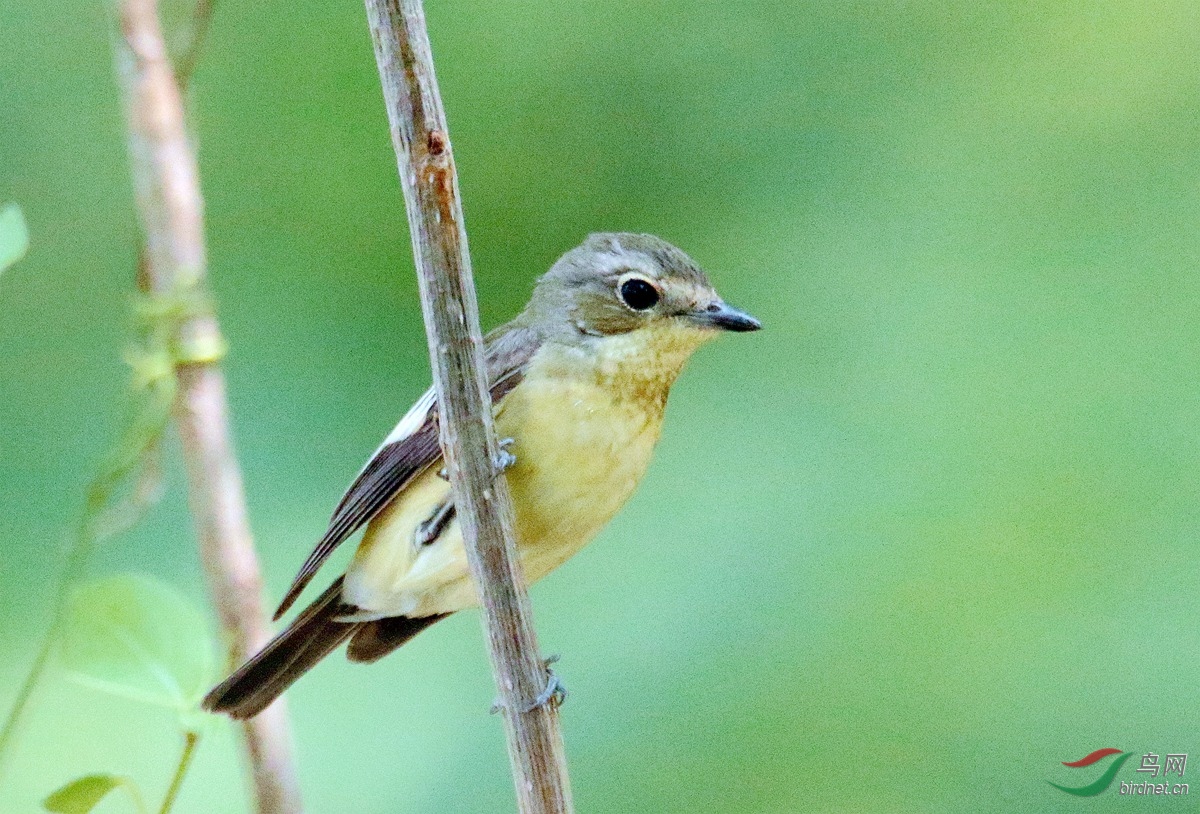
(137, 637)
(81, 796)
(14, 235)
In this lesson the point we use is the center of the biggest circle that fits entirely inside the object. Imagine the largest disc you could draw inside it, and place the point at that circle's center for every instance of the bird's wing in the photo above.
(410, 449)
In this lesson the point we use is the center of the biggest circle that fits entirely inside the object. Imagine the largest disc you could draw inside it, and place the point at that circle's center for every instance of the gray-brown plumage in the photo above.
(398, 461)
(579, 381)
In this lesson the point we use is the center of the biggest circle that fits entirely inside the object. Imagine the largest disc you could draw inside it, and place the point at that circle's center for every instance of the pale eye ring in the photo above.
(637, 293)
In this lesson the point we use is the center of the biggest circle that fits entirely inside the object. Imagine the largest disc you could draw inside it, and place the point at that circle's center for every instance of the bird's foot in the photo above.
(504, 459)
(432, 527)
(555, 693)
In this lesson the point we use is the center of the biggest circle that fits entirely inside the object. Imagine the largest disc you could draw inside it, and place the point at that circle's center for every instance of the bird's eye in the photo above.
(638, 294)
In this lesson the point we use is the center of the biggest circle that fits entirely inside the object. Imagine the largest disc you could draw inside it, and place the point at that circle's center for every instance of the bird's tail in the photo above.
(312, 636)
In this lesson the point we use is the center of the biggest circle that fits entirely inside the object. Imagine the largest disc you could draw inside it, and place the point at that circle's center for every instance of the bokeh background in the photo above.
(926, 536)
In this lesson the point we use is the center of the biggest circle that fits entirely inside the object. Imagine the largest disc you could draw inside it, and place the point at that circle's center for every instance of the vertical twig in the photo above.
(202, 15)
(166, 182)
(439, 240)
(190, 739)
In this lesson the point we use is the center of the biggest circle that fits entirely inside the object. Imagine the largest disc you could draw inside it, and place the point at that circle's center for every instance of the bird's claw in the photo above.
(504, 459)
(554, 694)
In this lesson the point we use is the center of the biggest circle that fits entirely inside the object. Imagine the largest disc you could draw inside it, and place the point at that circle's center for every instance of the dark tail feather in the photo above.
(374, 640)
(313, 635)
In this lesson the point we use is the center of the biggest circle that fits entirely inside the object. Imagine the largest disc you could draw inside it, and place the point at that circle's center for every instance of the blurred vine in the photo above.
(135, 637)
(128, 482)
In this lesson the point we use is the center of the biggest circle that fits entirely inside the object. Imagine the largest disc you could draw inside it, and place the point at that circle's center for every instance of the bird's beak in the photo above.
(724, 316)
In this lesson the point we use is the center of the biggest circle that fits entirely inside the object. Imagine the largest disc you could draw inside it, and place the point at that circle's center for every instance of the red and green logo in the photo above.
(1101, 783)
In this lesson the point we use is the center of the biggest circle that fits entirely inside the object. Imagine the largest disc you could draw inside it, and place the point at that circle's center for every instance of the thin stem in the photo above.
(202, 15)
(170, 207)
(190, 739)
(139, 438)
(9, 730)
(484, 508)
(79, 554)
(135, 794)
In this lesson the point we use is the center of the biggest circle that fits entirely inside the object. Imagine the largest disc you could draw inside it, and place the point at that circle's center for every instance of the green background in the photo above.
(928, 534)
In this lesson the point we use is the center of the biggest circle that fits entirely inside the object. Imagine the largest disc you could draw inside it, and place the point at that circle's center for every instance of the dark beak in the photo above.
(726, 317)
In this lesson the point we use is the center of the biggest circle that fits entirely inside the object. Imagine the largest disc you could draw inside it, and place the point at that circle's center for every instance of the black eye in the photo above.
(638, 294)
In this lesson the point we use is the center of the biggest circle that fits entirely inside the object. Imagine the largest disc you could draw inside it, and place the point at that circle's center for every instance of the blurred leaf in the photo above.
(82, 795)
(138, 638)
(14, 235)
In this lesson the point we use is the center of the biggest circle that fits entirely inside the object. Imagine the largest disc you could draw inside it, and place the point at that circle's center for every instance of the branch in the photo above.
(439, 240)
(167, 186)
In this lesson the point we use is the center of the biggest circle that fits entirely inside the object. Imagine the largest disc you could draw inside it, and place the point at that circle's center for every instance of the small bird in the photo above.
(579, 382)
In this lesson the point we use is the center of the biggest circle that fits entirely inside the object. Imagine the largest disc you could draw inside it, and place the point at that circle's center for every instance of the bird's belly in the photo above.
(580, 454)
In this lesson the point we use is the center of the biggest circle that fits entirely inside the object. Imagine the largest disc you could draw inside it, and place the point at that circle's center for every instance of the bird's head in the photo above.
(619, 284)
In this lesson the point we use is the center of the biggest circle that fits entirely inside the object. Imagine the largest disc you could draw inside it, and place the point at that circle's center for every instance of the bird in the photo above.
(579, 383)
